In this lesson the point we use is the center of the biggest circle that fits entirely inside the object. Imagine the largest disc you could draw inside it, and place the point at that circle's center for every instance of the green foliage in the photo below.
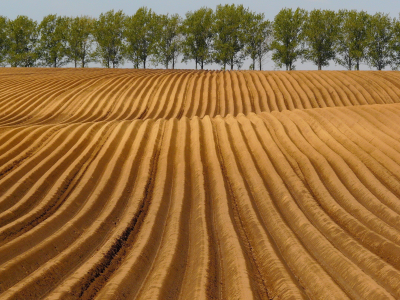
(80, 40)
(22, 37)
(107, 32)
(168, 40)
(229, 35)
(351, 42)
(197, 32)
(320, 33)
(140, 34)
(52, 48)
(288, 37)
(395, 44)
(4, 42)
(380, 35)
(258, 35)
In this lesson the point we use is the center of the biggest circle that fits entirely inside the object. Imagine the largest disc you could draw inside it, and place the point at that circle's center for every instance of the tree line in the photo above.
(226, 36)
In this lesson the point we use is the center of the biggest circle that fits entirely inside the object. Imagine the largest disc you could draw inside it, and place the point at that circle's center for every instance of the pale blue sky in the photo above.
(37, 9)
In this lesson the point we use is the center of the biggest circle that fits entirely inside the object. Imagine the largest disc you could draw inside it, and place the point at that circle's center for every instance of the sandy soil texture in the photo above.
(157, 184)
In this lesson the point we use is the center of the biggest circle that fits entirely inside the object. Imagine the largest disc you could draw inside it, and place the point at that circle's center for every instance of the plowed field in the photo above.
(157, 184)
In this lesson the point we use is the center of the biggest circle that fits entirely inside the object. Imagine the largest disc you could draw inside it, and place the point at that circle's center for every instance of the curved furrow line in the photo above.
(301, 94)
(359, 92)
(234, 278)
(368, 125)
(230, 99)
(339, 181)
(381, 87)
(200, 259)
(18, 220)
(256, 96)
(357, 254)
(19, 149)
(352, 172)
(222, 105)
(391, 77)
(324, 99)
(104, 224)
(380, 121)
(197, 96)
(241, 103)
(278, 96)
(205, 100)
(290, 102)
(154, 95)
(263, 101)
(212, 100)
(345, 96)
(97, 105)
(292, 93)
(269, 270)
(383, 162)
(165, 276)
(142, 245)
(174, 101)
(331, 91)
(24, 112)
(141, 97)
(127, 98)
(18, 182)
(373, 96)
(390, 87)
(177, 106)
(309, 92)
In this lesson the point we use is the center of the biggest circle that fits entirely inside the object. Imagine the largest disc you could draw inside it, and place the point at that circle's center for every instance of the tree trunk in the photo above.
(319, 66)
(202, 64)
(173, 63)
(254, 63)
(231, 63)
(75, 62)
(144, 64)
(196, 63)
(358, 65)
(260, 62)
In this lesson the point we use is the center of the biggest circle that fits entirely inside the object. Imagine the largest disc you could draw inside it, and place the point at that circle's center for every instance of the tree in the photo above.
(229, 35)
(258, 34)
(52, 44)
(380, 35)
(351, 41)
(288, 36)
(4, 43)
(320, 33)
(80, 40)
(107, 32)
(22, 37)
(140, 34)
(197, 32)
(167, 46)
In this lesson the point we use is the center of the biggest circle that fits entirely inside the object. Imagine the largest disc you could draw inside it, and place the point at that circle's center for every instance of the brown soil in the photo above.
(158, 184)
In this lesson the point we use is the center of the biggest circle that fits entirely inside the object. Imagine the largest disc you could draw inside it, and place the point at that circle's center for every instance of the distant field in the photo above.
(159, 184)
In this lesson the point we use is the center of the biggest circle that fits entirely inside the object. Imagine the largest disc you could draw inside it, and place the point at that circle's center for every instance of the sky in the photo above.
(37, 9)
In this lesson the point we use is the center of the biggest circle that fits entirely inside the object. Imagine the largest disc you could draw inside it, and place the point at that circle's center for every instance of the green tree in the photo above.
(52, 43)
(229, 35)
(197, 32)
(351, 41)
(4, 42)
(380, 35)
(80, 40)
(167, 46)
(108, 29)
(288, 37)
(258, 34)
(320, 33)
(22, 37)
(141, 35)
